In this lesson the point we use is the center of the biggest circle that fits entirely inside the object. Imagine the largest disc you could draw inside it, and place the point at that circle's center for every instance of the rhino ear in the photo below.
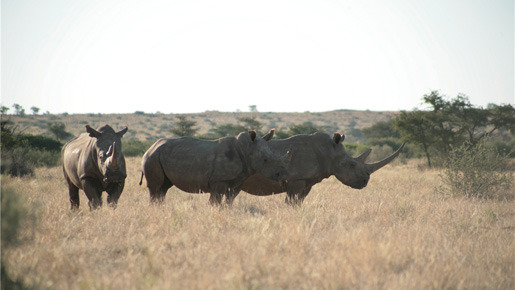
(270, 135)
(92, 132)
(252, 134)
(122, 132)
(337, 138)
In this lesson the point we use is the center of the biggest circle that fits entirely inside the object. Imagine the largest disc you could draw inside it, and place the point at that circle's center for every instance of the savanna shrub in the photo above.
(14, 163)
(40, 142)
(136, 147)
(477, 171)
(21, 153)
(42, 158)
(21, 161)
(14, 212)
(14, 215)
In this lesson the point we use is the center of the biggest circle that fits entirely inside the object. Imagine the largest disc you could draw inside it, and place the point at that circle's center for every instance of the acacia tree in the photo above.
(20, 111)
(184, 127)
(415, 127)
(452, 122)
(59, 131)
(35, 110)
(381, 130)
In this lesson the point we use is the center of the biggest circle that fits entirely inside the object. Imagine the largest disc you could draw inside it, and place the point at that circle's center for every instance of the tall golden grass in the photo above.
(397, 233)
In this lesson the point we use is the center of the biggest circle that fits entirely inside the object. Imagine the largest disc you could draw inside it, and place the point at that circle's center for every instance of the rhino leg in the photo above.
(158, 184)
(93, 191)
(304, 193)
(157, 181)
(114, 191)
(229, 197)
(158, 191)
(231, 194)
(215, 198)
(218, 190)
(296, 192)
(74, 195)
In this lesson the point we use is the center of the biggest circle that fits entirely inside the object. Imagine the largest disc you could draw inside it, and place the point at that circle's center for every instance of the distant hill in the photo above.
(148, 126)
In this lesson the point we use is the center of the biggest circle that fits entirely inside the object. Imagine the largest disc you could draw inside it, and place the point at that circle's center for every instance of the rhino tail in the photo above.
(141, 180)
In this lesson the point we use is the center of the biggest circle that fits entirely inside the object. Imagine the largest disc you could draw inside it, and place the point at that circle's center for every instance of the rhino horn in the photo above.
(363, 156)
(375, 166)
(113, 164)
(110, 150)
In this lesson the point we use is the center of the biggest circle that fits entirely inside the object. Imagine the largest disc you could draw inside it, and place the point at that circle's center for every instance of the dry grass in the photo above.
(394, 234)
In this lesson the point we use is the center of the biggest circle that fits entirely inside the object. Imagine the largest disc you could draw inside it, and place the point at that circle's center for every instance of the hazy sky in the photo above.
(90, 56)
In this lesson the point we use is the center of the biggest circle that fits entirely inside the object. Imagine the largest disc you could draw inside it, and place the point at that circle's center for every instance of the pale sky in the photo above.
(122, 56)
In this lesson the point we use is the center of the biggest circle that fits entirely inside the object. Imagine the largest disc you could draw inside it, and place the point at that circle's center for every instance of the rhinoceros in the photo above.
(315, 157)
(94, 163)
(218, 167)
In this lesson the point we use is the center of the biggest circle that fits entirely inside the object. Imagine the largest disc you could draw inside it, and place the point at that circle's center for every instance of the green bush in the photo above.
(281, 134)
(225, 130)
(14, 214)
(39, 142)
(477, 172)
(305, 128)
(59, 130)
(21, 153)
(504, 148)
(21, 161)
(41, 158)
(136, 147)
(14, 163)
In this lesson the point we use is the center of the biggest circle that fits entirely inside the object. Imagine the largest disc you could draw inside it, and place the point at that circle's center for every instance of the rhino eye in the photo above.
(265, 160)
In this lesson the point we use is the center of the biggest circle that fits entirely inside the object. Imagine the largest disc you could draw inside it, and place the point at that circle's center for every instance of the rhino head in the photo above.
(261, 159)
(109, 158)
(354, 172)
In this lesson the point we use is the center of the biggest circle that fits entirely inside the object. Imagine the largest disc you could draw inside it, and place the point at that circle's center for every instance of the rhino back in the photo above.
(193, 165)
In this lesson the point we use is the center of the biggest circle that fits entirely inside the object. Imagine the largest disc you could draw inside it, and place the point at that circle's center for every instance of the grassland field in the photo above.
(145, 127)
(397, 233)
